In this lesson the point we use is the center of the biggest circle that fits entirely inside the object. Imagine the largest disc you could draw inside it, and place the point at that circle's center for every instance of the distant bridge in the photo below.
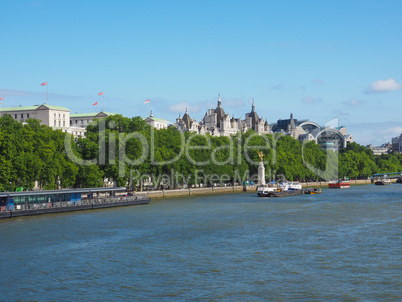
(388, 175)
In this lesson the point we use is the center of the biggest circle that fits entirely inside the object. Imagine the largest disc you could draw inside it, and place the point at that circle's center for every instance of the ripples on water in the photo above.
(340, 245)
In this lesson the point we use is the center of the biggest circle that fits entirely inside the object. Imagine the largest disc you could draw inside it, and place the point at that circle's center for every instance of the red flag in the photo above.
(44, 84)
(95, 104)
(2, 98)
(100, 93)
(146, 102)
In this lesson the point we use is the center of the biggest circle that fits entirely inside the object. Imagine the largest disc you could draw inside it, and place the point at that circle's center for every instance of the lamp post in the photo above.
(10, 185)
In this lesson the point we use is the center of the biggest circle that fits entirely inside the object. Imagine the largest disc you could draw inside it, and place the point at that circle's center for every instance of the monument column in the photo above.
(261, 170)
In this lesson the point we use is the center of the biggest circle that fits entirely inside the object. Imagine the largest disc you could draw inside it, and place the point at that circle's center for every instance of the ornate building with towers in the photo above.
(217, 123)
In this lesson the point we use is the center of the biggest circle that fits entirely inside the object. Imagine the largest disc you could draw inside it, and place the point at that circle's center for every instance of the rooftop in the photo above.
(155, 119)
(91, 114)
(35, 107)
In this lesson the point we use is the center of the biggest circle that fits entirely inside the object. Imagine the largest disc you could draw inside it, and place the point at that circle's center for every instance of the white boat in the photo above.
(285, 186)
(266, 190)
(383, 181)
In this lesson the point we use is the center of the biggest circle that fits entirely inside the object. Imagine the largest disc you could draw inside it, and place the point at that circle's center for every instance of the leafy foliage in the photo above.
(117, 146)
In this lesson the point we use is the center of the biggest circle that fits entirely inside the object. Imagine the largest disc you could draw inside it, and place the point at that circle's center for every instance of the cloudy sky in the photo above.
(316, 59)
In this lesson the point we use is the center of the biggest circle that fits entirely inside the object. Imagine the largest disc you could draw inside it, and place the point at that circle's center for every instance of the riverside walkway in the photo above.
(231, 189)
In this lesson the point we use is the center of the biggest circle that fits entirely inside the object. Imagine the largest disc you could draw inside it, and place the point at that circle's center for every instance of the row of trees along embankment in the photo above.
(33, 152)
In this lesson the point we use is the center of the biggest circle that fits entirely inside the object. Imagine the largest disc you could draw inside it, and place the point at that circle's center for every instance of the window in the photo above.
(59, 115)
(64, 116)
(59, 123)
(64, 123)
(27, 115)
(76, 121)
(55, 123)
(82, 122)
(15, 116)
(22, 115)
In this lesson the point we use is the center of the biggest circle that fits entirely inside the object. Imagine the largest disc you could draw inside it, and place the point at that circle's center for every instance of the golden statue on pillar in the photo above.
(261, 155)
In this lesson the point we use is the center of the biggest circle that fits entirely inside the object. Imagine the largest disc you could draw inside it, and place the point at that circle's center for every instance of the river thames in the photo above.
(342, 245)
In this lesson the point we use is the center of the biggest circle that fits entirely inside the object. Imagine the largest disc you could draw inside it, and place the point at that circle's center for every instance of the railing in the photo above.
(63, 204)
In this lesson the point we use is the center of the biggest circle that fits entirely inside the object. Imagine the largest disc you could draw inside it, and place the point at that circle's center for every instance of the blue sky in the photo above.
(317, 59)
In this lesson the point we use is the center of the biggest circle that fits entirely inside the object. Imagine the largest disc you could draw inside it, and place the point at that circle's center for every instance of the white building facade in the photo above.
(57, 117)
(217, 123)
(155, 122)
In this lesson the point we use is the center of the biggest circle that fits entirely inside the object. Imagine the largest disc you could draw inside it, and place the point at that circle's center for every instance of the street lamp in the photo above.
(10, 185)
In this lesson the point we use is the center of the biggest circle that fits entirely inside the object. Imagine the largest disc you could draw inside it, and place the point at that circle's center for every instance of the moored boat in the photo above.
(313, 191)
(285, 186)
(340, 184)
(266, 190)
(382, 182)
(286, 193)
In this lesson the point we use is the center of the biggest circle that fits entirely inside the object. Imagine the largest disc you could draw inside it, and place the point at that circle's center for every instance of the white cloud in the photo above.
(9, 92)
(277, 87)
(393, 131)
(383, 86)
(233, 103)
(311, 101)
(318, 82)
(182, 107)
(354, 102)
(376, 133)
(340, 113)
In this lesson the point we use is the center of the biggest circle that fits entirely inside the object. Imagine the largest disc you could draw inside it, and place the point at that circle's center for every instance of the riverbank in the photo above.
(233, 189)
(194, 191)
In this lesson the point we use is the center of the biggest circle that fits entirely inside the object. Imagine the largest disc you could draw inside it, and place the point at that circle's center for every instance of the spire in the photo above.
(220, 113)
(151, 115)
(254, 116)
(292, 122)
(187, 120)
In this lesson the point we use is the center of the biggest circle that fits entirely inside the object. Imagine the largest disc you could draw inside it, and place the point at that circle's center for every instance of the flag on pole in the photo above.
(96, 103)
(2, 98)
(44, 84)
(146, 102)
(100, 93)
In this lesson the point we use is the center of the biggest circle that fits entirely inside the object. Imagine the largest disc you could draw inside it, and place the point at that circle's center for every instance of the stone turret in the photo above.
(220, 113)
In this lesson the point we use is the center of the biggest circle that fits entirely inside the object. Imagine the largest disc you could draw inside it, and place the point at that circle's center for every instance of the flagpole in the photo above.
(103, 99)
(47, 94)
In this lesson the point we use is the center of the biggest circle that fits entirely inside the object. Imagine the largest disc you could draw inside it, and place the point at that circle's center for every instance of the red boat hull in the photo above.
(339, 185)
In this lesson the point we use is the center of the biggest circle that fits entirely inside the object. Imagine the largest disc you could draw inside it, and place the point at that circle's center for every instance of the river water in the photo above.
(342, 245)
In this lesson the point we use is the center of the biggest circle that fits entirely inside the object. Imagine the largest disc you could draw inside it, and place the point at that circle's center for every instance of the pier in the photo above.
(28, 203)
